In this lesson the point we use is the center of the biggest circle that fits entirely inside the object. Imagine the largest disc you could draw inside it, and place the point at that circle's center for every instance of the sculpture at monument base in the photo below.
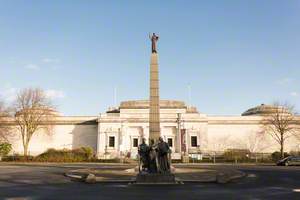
(155, 158)
(152, 158)
(163, 153)
(144, 158)
(155, 163)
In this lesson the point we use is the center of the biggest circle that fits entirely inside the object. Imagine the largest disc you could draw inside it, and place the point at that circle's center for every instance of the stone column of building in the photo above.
(154, 120)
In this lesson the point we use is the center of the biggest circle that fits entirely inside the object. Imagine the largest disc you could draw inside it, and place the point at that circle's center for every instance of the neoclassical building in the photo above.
(119, 131)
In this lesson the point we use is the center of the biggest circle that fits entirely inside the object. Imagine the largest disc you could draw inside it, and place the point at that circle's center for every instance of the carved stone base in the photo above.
(155, 178)
(185, 159)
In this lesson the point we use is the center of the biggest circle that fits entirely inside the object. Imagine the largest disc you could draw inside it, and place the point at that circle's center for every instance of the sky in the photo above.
(232, 54)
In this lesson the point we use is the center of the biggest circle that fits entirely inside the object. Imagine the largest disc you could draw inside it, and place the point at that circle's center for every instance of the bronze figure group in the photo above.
(155, 158)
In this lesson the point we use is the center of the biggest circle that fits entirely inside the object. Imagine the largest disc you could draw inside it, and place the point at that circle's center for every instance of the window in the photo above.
(170, 142)
(194, 141)
(135, 142)
(111, 142)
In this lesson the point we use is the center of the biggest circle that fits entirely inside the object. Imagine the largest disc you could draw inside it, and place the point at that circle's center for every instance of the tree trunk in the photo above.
(25, 150)
(281, 147)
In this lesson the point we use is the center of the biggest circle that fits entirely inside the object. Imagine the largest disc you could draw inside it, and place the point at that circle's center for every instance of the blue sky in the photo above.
(233, 54)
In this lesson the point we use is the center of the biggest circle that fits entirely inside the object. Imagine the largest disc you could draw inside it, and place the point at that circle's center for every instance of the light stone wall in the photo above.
(243, 132)
(65, 134)
(214, 133)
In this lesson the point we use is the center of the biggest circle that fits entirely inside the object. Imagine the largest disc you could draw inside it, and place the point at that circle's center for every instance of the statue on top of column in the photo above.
(154, 39)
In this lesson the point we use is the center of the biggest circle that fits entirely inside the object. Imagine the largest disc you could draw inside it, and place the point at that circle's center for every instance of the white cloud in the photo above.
(294, 94)
(55, 67)
(55, 94)
(32, 67)
(50, 60)
(285, 81)
(9, 94)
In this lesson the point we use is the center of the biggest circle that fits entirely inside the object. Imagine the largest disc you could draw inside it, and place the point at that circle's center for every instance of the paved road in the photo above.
(47, 182)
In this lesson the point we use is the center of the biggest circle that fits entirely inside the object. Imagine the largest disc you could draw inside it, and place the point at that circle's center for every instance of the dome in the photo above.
(264, 110)
(43, 111)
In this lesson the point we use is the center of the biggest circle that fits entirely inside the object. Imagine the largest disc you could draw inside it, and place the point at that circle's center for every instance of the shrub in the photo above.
(113, 160)
(89, 152)
(17, 157)
(236, 154)
(66, 155)
(5, 148)
(277, 156)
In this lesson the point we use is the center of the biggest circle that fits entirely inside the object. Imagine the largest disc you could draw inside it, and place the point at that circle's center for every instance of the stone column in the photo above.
(178, 133)
(146, 132)
(154, 120)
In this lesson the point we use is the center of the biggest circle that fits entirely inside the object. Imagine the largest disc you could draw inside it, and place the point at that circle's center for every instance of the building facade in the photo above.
(119, 131)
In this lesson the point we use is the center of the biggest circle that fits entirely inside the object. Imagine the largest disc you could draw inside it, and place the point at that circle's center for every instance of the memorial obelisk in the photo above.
(154, 118)
(156, 170)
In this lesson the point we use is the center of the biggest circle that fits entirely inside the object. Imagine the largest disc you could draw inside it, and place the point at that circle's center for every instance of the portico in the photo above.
(120, 130)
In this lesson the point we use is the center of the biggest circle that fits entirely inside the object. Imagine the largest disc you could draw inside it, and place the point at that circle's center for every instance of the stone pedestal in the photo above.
(185, 159)
(155, 178)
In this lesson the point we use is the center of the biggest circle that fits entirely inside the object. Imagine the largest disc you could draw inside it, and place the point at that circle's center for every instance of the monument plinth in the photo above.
(155, 178)
(154, 118)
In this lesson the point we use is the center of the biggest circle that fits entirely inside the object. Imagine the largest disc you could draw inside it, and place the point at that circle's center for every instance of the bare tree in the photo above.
(5, 129)
(217, 145)
(280, 124)
(256, 141)
(220, 144)
(33, 110)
